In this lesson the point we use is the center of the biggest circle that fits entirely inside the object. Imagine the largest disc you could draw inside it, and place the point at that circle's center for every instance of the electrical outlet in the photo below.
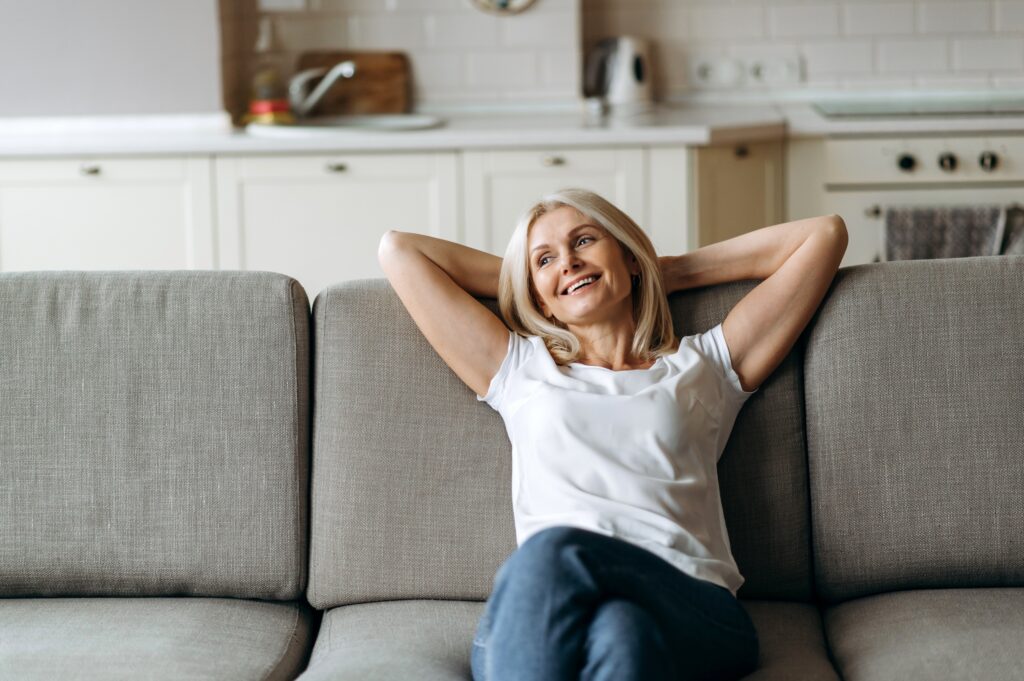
(717, 72)
(775, 71)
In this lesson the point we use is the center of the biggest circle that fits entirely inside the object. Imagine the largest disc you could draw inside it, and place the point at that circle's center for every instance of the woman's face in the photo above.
(563, 247)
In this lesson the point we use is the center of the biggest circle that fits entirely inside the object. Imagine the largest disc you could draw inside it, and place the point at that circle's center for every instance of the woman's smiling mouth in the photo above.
(582, 284)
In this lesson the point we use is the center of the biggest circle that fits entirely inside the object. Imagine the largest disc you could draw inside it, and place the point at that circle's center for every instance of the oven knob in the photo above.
(906, 162)
(947, 161)
(988, 161)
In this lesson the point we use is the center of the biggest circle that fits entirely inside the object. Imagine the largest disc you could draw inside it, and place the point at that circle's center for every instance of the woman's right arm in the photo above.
(437, 280)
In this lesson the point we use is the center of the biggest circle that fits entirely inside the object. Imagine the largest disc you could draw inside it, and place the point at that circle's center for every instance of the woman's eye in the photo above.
(582, 238)
(543, 261)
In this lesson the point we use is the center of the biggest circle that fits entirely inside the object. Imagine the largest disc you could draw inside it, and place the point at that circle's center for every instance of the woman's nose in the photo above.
(570, 262)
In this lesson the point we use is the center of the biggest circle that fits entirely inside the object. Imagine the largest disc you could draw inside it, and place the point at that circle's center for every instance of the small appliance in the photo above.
(618, 70)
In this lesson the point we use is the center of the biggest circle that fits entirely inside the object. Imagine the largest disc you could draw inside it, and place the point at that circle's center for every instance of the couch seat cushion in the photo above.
(792, 642)
(430, 640)
(220, 639)
(426, 640)
(929, 634)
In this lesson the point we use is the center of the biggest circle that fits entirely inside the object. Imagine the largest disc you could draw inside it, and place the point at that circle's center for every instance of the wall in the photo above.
(109, 57)
(460, 55)
(856, 45)
(463, 57)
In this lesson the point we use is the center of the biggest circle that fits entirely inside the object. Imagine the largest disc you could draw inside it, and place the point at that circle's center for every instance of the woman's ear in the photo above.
(634, 267)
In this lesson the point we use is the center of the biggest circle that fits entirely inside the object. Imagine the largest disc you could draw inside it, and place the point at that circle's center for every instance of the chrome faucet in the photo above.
(302, 103)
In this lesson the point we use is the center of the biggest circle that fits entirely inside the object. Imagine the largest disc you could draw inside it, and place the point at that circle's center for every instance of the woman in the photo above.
(623, 569)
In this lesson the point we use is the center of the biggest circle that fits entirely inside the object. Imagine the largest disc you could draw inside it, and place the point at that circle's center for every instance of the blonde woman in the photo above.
(623, 568)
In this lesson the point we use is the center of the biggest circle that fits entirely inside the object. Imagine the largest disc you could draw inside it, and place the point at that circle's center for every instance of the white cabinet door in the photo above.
(106, 214)
(320, 218)
(499, 185)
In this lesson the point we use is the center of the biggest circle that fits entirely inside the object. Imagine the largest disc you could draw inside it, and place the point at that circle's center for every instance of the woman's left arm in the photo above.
(797, 261)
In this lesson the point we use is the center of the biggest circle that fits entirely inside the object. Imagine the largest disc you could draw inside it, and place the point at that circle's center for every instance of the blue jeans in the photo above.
(575, 604)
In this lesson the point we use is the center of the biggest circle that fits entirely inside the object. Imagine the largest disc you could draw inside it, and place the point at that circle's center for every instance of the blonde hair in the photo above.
(517, 299)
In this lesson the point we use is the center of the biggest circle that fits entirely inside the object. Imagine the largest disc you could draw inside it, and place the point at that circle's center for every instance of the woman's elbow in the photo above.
(388, 243)
(837, 229)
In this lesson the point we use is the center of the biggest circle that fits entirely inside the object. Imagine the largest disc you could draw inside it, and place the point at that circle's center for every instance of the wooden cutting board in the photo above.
(381, 84)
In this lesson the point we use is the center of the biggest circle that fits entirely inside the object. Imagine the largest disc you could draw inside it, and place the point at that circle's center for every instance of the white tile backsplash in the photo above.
(808, 21)
(988, 54)
(882, 18)
(1009, 16)
(955, 17)
(726, 23)
(913, 56)
(461, 55)
(838, 57)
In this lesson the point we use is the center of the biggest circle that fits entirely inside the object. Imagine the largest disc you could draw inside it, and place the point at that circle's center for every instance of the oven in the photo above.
(865, 175)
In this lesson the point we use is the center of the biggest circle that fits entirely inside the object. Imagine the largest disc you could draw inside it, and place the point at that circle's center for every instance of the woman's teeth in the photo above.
(581, 285)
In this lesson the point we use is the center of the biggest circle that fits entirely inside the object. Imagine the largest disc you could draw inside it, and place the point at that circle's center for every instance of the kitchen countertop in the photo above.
(665, 125)
(683, 124)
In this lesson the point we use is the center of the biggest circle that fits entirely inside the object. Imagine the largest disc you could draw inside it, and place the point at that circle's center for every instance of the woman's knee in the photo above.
(619, 622)
(542, 550)
(625, 642)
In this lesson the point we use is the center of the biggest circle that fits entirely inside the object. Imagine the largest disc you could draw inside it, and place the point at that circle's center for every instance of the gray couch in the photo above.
(193, 485)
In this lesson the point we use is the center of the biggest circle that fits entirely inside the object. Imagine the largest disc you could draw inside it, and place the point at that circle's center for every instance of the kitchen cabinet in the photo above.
(106, 213)
(735, 188)
(319, 218)
(648, 184)
(499, 185)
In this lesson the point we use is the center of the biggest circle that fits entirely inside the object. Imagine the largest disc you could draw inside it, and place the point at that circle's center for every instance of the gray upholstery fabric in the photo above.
(411, 494)
(411, 497)
(426, 640)
(964, 634)
(792, 642)
(153, 434)
(430, 640)
(913, 377)
(763, 471)
(172, 639)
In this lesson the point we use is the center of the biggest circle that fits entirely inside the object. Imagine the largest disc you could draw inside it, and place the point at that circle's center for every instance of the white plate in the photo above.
(326, 125)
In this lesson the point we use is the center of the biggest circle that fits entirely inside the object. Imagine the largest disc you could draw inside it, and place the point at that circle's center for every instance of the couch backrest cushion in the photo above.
(763, 471)
(153, 434)
(412, 486)
(915, 395)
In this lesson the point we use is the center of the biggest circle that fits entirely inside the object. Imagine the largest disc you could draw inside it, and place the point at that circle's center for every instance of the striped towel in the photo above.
(1011, 236)
(919, 233)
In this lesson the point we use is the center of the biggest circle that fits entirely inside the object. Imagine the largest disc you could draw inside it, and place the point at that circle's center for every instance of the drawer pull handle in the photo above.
(89, 169)
(874, 212)
(337, 167)
(552, 161)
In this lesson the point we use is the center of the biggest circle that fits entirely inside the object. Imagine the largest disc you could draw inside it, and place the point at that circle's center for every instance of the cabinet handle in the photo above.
(337, 167)
(89, 169)
(874, 211)
(551, 161)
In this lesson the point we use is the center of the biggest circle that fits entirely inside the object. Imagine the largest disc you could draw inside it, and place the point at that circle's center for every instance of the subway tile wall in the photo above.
(838, 45)
(462, 56)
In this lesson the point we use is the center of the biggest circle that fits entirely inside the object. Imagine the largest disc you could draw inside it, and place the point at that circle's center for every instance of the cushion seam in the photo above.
(296, 438)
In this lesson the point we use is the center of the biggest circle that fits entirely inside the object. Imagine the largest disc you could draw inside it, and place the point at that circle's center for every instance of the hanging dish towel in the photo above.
(919, 233)
(1012, 238)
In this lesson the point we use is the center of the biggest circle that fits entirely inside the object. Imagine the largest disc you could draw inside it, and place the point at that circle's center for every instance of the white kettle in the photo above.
(619, 71)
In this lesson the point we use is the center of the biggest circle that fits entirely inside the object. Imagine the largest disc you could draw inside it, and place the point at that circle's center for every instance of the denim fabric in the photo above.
(571, 603)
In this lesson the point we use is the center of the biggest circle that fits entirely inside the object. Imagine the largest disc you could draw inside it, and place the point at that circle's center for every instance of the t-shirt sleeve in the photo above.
(519, 350)
(712, 344)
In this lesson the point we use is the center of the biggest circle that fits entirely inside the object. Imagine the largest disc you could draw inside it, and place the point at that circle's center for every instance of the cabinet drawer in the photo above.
(500, 184)
(362, 166)
(93, 170)
(553, 161)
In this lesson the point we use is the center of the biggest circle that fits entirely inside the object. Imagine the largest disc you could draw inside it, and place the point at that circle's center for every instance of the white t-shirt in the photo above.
(630, 454)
